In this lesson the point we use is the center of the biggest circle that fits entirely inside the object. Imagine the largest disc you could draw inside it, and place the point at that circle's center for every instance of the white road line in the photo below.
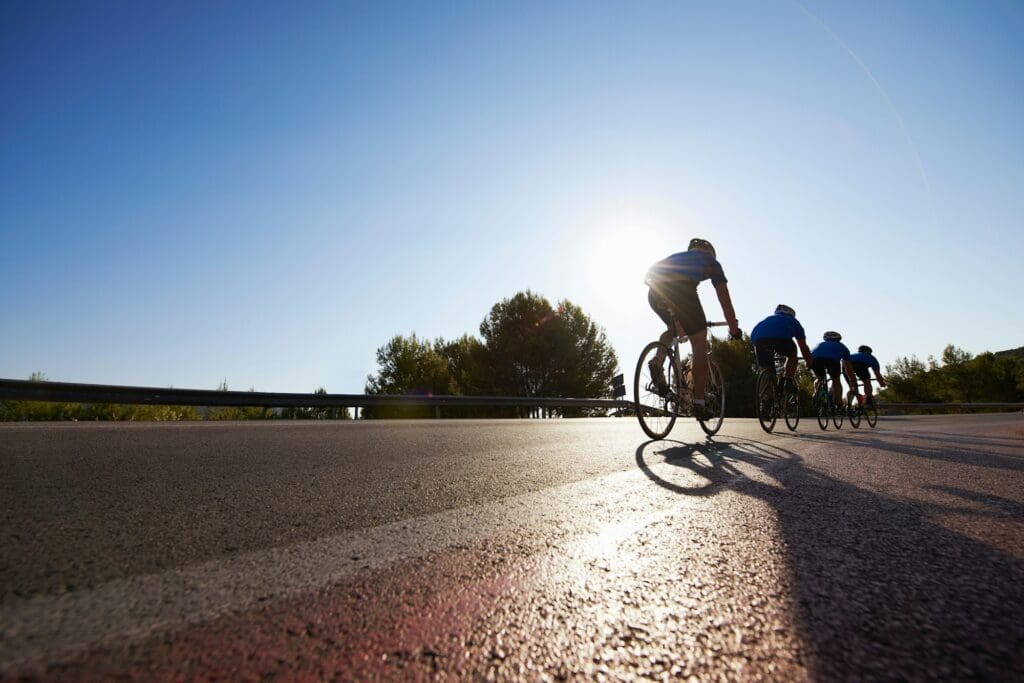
(39, 628)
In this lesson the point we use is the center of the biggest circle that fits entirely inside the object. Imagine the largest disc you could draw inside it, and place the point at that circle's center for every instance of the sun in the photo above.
(615, 260)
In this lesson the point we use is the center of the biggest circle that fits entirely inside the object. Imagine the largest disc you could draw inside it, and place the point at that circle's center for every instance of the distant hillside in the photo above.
(1013, 353)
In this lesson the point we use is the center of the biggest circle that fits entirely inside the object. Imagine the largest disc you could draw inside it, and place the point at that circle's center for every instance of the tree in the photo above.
(533, 349)
(528, 348)
(408, 365)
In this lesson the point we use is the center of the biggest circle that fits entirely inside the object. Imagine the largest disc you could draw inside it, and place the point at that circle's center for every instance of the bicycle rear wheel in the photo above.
(853, 407)
(872, 414)
(791, 404)
(714, 399)
(656, 406)
(765, 400)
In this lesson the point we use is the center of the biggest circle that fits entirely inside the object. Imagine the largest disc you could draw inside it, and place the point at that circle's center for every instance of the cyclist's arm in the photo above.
(722, 290)
(851, 376)
(878, 376)
(806, 351)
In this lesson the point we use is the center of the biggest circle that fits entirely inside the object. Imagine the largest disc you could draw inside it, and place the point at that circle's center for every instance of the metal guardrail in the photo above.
(962, 406)
(24, 390)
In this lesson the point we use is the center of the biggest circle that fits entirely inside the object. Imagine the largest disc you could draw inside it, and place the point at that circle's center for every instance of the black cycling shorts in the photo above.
(765, 349)
(677, 300)
(831, 365)
(862, 371)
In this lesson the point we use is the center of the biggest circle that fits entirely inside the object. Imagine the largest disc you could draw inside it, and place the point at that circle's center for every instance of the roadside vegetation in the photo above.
(116, 412)
(527, 347)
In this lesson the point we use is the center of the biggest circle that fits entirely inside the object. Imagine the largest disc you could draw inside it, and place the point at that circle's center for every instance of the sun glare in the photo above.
(616, 260)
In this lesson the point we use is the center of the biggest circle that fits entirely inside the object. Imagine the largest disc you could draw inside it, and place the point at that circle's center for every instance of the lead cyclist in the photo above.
(673, 296)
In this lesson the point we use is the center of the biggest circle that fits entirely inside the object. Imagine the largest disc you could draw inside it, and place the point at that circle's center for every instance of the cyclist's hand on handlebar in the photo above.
(736, 333)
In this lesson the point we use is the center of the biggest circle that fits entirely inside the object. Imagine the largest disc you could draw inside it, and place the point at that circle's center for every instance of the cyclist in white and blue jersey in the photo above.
(863, 362)
(673, 296)
(832, 356)
(775, 335)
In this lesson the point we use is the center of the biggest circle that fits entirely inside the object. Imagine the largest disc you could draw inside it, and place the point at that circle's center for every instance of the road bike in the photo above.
(858, 409)
(825, 406)
(658, 405)
(774, 398)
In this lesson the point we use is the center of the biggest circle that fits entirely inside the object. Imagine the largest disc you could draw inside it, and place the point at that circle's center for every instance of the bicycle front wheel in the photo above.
(854, 408)
(872, 414)
(838, 412)
(764, 400)
(791, 405)
(714, 399)
(821, 409)
(656, 402)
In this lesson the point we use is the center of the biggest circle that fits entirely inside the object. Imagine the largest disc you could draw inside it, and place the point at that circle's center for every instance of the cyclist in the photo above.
(862, 362)
(775, 335)
(832, 356)
(673, 296)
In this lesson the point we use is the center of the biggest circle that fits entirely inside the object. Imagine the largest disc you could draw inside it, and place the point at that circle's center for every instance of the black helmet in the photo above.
(864, 348)
(703, 245)
(785, 310)
(832, 336)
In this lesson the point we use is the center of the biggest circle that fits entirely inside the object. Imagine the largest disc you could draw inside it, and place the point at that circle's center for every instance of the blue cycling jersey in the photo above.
(778, 326)
(867, 359)
(831, 350)
(695, 265)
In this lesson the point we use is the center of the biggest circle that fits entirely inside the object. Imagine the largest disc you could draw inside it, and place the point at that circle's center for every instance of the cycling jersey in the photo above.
(831, 350)
(865, 359)
(694, 266)
(778, 326)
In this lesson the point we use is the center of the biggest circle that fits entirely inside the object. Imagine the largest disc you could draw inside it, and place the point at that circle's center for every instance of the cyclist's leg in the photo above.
(699, 348)
(690, 315)
(818, 366)
(658, 303)
(787, 349)
(862, 373)
(764, 352)
(836, 372)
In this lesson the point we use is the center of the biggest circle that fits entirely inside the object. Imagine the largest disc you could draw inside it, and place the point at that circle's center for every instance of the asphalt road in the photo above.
(541, 550)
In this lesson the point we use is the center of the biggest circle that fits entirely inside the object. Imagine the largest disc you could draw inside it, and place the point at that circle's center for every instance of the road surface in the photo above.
(540, 550)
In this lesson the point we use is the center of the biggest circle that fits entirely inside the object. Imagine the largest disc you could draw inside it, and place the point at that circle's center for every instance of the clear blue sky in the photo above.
(267, 192)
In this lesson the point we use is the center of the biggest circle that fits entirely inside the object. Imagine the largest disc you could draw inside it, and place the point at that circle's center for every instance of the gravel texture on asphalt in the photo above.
(562, 549)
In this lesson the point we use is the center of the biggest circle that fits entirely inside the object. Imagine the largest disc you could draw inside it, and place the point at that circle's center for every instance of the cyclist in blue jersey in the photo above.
(832, 356)
(863, 362)
(775, 335)
(673, 296)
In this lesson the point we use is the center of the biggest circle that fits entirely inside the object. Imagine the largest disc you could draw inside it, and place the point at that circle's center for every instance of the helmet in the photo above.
(703, 245)
(785, 310)
(832, 336)
(864, 348)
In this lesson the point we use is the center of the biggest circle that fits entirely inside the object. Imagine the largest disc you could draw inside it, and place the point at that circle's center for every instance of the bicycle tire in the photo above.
(854, 410)
(791, 405)
(656, 413)
(714, 399)
(764, 400)
(838, 412)
(872, 414)
(821, 408)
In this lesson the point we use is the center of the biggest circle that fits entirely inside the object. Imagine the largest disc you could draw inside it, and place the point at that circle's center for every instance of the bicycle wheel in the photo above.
(854, 409)
(838, 411)
(872, 414)
(821, 408)
(655, 408)
(791, 404)
(765, 400)
(714, 399)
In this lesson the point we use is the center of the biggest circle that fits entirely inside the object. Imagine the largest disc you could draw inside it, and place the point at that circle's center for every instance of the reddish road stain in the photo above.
(406, 622)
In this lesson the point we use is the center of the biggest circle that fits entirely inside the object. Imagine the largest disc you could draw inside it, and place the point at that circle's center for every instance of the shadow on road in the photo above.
(932, 448)
(881, 589)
